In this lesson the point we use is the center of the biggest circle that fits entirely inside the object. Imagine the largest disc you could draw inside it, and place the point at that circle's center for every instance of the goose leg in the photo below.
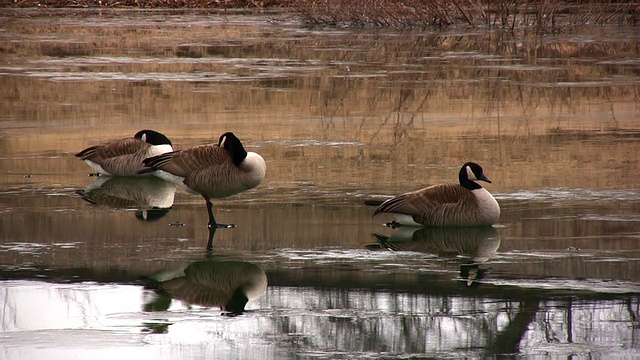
(212, 220)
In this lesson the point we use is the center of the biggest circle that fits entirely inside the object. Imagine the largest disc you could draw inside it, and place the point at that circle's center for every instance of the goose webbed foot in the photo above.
(213, 224)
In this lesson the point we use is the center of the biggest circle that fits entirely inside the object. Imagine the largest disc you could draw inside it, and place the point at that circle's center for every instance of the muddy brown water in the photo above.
(341, 116)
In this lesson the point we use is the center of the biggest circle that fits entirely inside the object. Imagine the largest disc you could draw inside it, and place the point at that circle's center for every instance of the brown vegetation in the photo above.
(141, 3)
(537, 15)
(509, 14)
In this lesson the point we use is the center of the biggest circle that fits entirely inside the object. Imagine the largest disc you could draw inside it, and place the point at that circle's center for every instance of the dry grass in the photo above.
(508, 14)
(141, 3)
(536, 15)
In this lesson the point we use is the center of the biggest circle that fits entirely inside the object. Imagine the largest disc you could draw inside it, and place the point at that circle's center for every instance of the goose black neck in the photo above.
(238, 154)
(463, 177)
(230, 142)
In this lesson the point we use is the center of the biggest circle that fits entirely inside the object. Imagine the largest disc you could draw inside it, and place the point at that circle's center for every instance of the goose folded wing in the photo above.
(113, 149)
(417, 202)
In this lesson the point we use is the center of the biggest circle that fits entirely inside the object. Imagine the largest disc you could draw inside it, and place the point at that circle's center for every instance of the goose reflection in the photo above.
(226, 284)
(478, 244)
(152, 197)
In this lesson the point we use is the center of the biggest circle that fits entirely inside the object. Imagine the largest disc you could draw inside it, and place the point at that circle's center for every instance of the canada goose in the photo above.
(124, 157)
(226, 284)
(150, 196)
(213, 171)
(466, 204)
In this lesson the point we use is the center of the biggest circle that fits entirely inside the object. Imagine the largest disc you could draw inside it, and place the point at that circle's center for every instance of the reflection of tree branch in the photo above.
(613, 116)
(402, 100)
(569, 321)
(634, 314)
(508, 340)
(395, 111)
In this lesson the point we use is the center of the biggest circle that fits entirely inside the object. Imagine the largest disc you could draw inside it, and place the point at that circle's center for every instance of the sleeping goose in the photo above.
(124, 157)
(464, 204)
(213, 171)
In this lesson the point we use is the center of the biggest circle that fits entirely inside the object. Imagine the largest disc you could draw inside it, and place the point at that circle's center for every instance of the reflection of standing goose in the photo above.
(213, 171)
(124, 157)
(479, 244)
(226, 284)
(151, 196)
(464, 204)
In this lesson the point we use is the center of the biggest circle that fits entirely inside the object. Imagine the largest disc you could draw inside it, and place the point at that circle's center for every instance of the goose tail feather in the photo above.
(155, 162)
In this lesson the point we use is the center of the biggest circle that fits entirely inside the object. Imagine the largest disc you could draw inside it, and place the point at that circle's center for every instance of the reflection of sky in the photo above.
(62, 321)
(58, 321)
(35, 306)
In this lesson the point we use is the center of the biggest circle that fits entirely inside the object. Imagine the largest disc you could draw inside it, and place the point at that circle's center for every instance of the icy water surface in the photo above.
(340, 116)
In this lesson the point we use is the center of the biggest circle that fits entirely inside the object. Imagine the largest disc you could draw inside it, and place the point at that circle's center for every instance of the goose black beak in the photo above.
(484, 178)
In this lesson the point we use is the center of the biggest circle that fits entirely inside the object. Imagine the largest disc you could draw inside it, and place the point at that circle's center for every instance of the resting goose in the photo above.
(464, 204)
(213, 171)
(124, 157)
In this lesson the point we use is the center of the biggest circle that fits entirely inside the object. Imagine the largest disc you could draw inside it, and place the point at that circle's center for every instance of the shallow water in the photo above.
(341, 116)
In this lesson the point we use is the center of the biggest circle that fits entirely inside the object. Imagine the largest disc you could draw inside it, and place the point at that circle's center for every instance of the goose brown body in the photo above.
(464, 204)
(213, 171)
(124, 157)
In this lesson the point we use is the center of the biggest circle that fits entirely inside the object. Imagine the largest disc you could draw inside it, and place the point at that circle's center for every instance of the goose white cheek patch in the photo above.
(470, 174)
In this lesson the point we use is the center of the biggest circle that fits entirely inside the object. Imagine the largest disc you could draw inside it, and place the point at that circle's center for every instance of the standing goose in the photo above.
(213, 171)
(124, 157)
(466, 204)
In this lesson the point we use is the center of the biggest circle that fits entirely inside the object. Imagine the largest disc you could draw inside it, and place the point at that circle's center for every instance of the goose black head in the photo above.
(152, 137)
(230, 142)
(469, 173)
